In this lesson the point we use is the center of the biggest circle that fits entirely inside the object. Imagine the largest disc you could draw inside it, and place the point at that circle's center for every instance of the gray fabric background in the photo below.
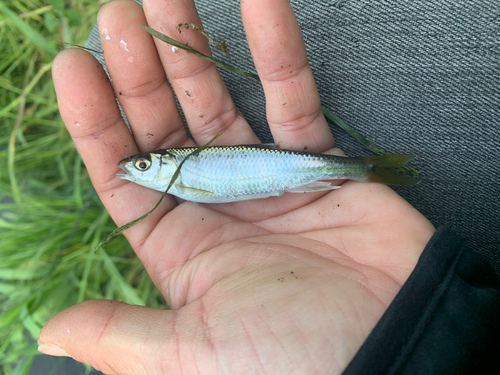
(419, 77)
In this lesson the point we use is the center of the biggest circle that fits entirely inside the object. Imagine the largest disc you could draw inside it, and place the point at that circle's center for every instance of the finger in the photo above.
(88, 108)
(114, 337)
(204, 98)
(138, 77)
(292, 100)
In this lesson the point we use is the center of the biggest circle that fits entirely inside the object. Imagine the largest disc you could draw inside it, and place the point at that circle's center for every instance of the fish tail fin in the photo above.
(382, 169)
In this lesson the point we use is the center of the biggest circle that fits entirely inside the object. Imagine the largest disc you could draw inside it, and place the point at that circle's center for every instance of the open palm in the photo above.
(291, 284)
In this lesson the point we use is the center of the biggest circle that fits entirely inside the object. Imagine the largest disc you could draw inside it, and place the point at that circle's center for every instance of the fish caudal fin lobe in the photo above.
(382, 169)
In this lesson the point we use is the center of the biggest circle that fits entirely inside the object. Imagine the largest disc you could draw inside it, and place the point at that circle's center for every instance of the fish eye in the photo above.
(142, 164)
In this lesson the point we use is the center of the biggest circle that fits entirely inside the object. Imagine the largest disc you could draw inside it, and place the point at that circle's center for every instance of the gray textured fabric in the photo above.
(420, 77)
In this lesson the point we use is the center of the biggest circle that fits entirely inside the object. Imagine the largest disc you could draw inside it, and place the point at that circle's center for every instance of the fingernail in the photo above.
(51, 349)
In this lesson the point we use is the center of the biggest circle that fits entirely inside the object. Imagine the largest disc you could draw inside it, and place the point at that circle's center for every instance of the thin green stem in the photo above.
(12, 141)
(175, 43)
(328, 114)
(174, 177)
(28, 31)
(44, 69)
(377, 150)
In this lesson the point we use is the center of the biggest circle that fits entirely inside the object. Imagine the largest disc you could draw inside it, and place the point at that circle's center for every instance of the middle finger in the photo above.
(138, 77)
(203, 96)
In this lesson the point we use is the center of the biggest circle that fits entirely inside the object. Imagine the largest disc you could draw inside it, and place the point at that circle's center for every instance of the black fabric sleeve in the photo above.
(445, 319)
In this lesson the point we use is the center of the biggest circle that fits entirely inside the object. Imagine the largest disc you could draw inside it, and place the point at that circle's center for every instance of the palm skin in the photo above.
(291, 284)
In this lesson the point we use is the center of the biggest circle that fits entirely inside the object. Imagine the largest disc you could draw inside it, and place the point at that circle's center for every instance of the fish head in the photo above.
(147, 169)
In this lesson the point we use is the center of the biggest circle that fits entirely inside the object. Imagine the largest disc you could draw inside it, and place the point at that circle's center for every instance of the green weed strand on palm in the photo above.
(377, 150)
(174, 177)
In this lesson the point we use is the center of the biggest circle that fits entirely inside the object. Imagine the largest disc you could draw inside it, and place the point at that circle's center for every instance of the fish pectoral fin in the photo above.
(312, 186)
(193, 191)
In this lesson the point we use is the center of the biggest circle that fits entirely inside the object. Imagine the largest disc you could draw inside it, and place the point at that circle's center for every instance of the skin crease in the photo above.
(286, 285)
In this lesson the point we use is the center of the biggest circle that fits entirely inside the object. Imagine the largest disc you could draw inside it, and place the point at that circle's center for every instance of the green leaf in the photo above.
(50, 22)
(17, 274)
(127, 290)
(31, 326)
(10, 315)
(23, 366)
(6, 288)
(57, 4)
(73, 17)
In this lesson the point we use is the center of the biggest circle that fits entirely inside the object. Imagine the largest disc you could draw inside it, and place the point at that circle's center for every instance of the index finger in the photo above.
(88, 108)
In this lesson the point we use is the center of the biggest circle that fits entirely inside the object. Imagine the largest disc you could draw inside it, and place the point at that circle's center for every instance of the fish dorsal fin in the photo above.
(312, 186)
(269, 146)
(186, 190)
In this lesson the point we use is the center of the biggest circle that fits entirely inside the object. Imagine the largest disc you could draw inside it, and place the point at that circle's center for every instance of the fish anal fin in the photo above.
(312, 186)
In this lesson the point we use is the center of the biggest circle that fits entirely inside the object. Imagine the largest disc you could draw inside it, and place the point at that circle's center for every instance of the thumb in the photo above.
(114, 337)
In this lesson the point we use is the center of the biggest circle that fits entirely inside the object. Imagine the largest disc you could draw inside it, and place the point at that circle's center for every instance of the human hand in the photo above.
(291, 284)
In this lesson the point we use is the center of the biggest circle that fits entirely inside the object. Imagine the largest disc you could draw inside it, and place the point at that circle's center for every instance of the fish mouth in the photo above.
(127, 176)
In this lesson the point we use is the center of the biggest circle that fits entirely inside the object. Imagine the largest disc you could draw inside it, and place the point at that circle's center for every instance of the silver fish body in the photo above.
(221, 174)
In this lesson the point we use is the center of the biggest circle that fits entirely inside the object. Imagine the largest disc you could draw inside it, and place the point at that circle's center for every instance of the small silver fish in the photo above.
(220, 174)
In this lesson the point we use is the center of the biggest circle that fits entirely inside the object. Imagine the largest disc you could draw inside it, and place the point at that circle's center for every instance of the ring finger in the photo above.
(292, 100)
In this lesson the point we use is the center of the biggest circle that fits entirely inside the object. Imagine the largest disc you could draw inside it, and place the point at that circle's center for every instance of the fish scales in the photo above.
(230, 173)
(233, 172)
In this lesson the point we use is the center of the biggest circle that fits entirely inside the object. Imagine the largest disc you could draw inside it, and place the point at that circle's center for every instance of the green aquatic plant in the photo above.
(50, 218)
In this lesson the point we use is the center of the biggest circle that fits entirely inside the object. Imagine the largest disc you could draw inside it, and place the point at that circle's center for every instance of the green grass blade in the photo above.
(328, 114)
(13, 104)
(123, 228)
(129, 293)
(175, 43)
(27, 30)
(21, 275)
